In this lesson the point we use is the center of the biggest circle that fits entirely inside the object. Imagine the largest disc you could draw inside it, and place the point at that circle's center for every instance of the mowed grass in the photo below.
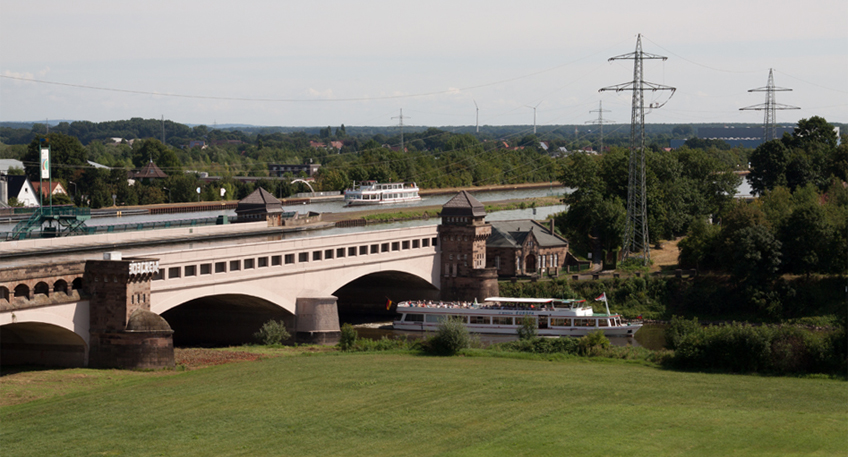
(409, 405)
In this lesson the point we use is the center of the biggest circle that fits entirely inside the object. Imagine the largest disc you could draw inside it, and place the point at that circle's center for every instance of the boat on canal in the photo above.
(500, 315)
(375, 193)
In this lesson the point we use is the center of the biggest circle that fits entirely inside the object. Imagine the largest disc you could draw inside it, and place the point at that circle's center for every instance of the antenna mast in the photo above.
(478, 116)
(635, 242)
(400, 124)
(770, 107)
(600, 121)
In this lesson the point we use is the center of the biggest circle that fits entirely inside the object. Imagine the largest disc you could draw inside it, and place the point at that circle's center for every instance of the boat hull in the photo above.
(628, 330)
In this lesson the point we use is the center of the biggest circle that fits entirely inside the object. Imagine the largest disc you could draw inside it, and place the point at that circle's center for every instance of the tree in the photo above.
(768, 166)
(805, 237)
(814, 131)
(67, 157)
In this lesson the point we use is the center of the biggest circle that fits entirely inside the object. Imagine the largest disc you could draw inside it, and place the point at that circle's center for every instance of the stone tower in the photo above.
(124, 333)
(462, 236)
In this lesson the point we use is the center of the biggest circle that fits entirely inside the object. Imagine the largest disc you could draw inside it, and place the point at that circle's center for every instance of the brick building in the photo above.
(525, 247)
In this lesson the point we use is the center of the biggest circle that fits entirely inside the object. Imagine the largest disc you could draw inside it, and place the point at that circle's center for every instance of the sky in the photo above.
(359, 63)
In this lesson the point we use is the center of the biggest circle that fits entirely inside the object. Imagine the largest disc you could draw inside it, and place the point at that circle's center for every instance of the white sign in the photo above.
(147, 267)
(198, 190)
(223, 191)
(45, 163)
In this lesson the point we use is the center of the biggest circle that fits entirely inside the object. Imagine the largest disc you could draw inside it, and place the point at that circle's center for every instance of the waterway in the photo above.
(650, 336)
(337, 206)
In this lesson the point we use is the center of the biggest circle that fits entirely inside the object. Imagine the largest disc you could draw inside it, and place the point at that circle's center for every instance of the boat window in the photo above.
(434, 318)
(478, 320)
(501, 320)
(413, 318)
(603, 322)
(560, 322)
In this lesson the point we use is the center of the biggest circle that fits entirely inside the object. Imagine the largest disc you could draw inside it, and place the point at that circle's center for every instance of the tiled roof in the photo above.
(464, 204)
(260, 200)
(513, 234)
(149, 171)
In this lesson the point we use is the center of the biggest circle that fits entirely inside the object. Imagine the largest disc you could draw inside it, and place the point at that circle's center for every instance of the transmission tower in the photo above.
(400, 124)
(635, 241)
(478, 116)
(770, 107)
(600, 121)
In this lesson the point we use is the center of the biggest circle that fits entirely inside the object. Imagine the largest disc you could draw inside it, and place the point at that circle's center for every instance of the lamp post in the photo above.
(74, 193)
(169, 193)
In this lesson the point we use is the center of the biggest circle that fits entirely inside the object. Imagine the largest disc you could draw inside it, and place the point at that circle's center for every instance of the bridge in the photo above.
(210, 286)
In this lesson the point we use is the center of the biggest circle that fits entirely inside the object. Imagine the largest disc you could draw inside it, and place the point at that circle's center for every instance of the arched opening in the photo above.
(77, 284)
(365, 299)
(60, 286)
(530, 263)
(4, 294)
(22, 290)
(223, 320)
(37, 343)
(41, 288)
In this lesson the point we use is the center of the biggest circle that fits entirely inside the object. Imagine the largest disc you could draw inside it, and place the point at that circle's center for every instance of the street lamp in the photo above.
(74, 193)
(169, 193)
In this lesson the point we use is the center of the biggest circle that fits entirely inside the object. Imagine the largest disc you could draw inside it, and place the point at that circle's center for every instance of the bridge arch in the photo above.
(369, 294)
(22, 290)
(223, 319)
(34, 337)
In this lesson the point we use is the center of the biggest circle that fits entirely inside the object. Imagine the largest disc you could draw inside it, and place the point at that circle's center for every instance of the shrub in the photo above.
(347, 340)
(594, 343)
(678, 328)
(272, 332)
(450, 338)
(527, 331)
(383, 344)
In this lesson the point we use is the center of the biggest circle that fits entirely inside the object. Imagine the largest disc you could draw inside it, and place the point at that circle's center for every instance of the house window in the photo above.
(328, 254)
(248, 263)
(276, 260)
(351, 252)
(173, 272)
(302, 257)
(340, 252)
(263, 262)
(289, 259)
(375, 248)
(190, 270)
(235, 265)
(206, 269)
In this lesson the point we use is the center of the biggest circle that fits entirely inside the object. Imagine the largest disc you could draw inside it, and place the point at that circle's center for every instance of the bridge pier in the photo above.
(317, 320)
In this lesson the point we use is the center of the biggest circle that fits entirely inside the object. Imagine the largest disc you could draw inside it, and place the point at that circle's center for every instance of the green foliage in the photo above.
(383, 344)
(739, 348)
(594, 343)
(678, 328)
(527, 331)
(272, 332)
(450, 338)
(348, 337)
(15, 171)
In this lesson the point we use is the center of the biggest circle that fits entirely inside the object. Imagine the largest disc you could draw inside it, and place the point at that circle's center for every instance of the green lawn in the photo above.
(398, 404)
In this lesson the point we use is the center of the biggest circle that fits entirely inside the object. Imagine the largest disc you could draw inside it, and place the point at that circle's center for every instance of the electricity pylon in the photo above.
(635, 241)
(400, 124)
(770, 107)
(600, 121)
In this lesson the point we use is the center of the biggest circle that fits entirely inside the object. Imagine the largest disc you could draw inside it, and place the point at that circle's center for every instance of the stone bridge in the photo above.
(52, 312)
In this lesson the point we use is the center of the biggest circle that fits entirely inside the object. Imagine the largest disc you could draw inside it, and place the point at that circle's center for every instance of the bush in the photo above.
(347, 340)
(527, 331)
(451, 337)
(383, 344)
(594, 343)
(678, 328)
(272, 332)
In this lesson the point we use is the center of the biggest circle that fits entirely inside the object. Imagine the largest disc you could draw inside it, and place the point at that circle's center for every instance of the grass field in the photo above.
(402, 404)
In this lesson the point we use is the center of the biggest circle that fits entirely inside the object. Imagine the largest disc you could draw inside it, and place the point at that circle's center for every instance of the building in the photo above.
(258, 206)
(525, 248)
(20, 188)
(746, 137)
(149, 171)
(278, 170)
(463, 234)
(57, 188)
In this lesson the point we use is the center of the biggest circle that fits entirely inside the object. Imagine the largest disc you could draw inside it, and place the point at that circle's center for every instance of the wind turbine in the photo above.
(534, 115)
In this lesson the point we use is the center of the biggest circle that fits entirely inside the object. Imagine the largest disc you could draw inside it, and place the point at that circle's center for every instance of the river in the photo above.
(650, 336)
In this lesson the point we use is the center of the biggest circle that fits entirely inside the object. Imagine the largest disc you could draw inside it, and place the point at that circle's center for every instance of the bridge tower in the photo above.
(462, 236)
(124, 333)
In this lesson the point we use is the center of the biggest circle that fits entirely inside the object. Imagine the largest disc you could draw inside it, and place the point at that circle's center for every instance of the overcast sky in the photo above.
(319, 63)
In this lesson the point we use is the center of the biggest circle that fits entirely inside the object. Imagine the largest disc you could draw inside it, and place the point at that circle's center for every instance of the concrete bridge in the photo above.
(208, 292)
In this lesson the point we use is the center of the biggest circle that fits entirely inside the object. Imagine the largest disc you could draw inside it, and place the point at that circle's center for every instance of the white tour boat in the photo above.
(374, 193)
(553, 317)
